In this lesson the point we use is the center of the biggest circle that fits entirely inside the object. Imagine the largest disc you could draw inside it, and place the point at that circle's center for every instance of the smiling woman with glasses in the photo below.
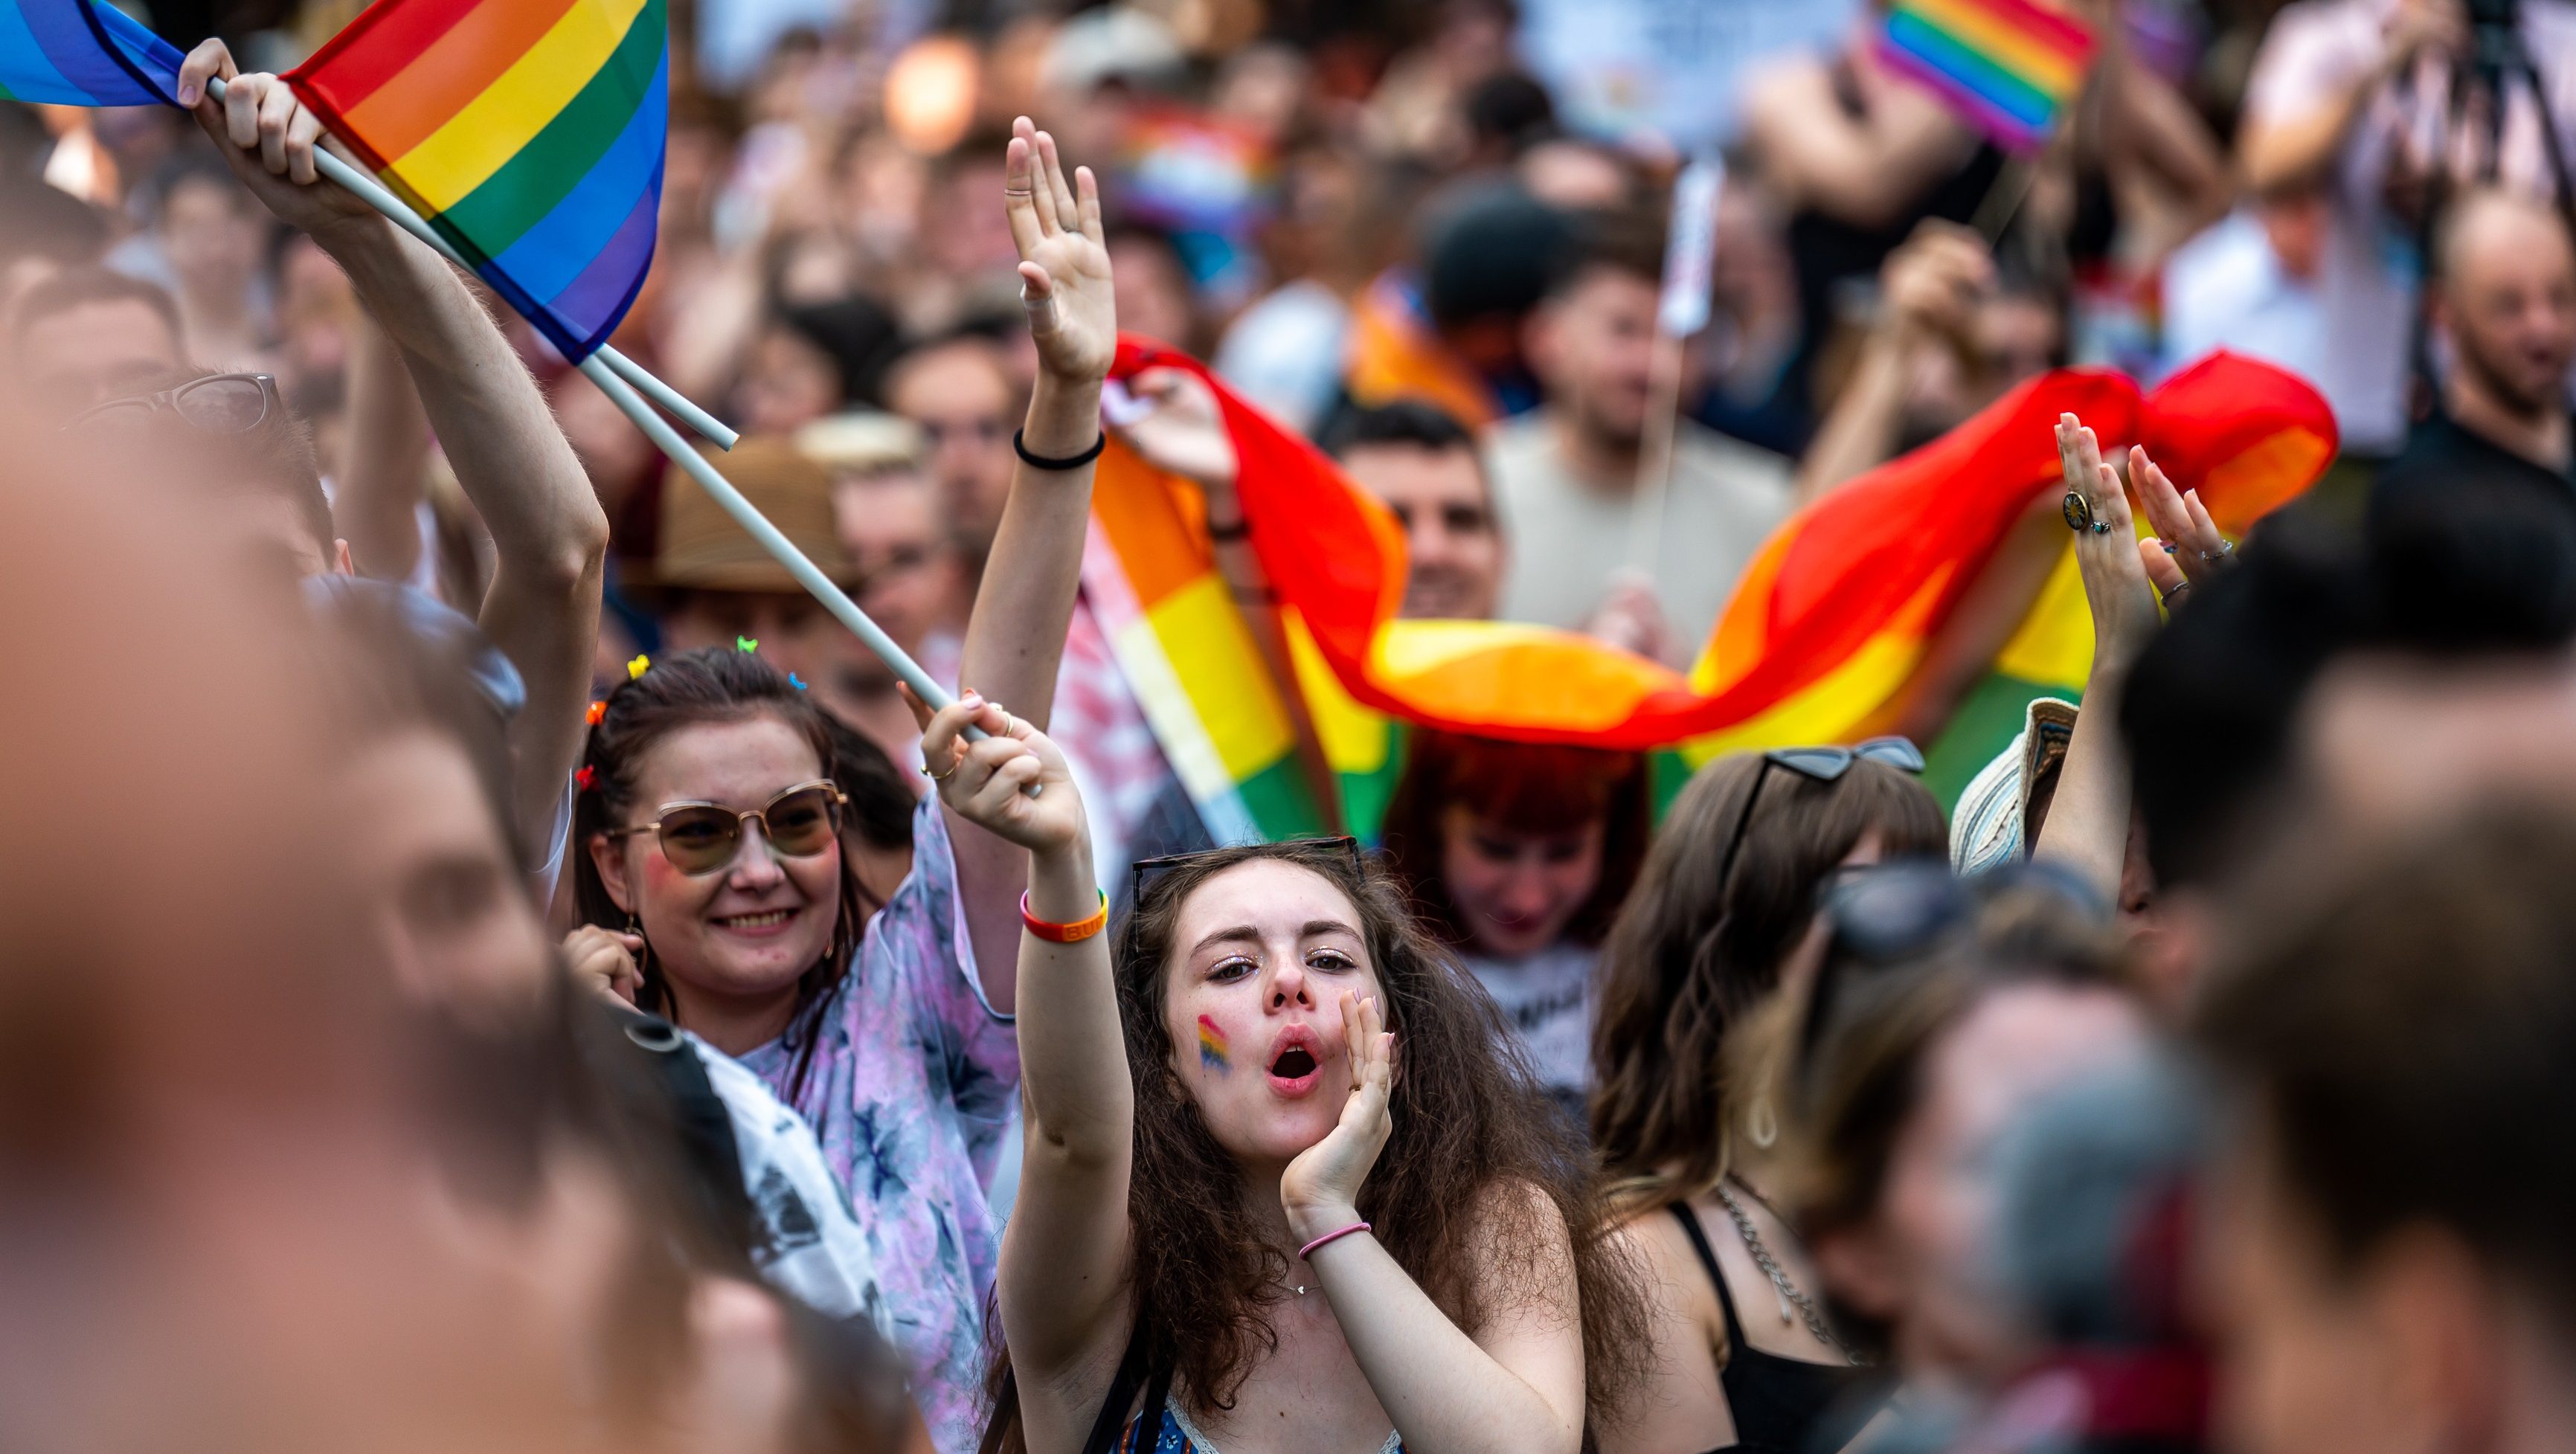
(1721, 933)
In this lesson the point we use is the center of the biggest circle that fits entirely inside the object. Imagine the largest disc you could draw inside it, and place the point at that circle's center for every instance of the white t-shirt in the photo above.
(1548, 1000)
(1568, 541)
(2368, 281)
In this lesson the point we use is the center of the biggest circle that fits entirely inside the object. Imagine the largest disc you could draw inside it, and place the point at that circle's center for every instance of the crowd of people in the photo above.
(563, 990)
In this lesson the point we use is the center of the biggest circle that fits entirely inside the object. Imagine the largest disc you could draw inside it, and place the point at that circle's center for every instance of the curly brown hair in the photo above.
(1469, 1121)
(1691, 955)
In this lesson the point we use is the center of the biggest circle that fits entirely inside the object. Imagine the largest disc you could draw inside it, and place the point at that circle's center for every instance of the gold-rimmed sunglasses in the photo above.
(701, 838)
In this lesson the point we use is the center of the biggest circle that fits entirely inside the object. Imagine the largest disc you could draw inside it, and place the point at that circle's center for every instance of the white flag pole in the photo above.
(375, 195)
(1682, 311)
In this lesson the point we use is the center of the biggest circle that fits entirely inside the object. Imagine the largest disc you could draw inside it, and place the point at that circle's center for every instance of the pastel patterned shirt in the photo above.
(910, 1091)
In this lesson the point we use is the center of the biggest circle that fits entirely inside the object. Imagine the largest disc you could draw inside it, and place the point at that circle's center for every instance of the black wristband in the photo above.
(1237, 529)
(1020, 444)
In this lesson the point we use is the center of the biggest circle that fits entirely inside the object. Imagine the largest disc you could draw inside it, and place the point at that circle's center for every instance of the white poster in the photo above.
(1674, 67)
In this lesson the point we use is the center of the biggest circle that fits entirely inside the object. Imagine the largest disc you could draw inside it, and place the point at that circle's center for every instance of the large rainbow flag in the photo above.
(1831, 623)
(2009, 65)
(75, 53)
(528, 132)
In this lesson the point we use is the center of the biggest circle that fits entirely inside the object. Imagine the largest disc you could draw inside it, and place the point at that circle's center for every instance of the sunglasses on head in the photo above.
(1146, 870)
(217, 404)
(1820, 764)
(702, 838)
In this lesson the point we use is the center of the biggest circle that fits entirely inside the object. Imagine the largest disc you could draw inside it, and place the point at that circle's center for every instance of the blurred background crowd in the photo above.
(2229, 1102)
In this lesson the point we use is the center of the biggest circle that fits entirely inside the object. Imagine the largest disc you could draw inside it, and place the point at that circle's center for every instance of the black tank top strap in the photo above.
(1131, 1375)
(1708, 1259)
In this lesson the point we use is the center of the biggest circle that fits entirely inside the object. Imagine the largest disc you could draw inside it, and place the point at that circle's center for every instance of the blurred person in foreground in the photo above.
(233, 435)
(2505, 299)
(2389, 1261)
(1939, 1014)
(1567, 473)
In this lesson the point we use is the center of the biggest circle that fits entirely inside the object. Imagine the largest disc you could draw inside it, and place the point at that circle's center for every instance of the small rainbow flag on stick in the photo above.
(74, 53)
(2010, 65)
(527, 132)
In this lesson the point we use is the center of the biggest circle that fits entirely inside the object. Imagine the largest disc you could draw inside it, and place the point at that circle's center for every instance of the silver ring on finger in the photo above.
(2101, 527)
(2225, 549)
(2169, 597)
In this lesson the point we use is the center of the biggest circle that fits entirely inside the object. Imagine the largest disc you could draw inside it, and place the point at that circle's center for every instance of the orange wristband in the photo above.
(1073, 933)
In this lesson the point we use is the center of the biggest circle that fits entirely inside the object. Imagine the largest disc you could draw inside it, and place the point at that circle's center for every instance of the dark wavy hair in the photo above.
(1470, 1126)
(1693, 953)
(694, 689)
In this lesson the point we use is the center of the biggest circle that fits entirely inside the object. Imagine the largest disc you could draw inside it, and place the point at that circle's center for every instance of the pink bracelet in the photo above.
(1332, 1236)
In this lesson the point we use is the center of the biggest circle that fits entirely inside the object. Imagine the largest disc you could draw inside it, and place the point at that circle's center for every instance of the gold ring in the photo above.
(938, 777)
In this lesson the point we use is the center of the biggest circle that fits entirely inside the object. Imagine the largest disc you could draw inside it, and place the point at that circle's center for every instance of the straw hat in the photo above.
(1989, 827)
(702, 549)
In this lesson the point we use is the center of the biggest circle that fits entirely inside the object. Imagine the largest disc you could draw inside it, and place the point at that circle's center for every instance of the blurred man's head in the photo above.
(228, 438)
(2508, 300)
(1591, 340)
(1423, 465)
(84, 334)
(1155, 296)
(2388, 1239)
(958, 390)
(892, 523)
(211, 229)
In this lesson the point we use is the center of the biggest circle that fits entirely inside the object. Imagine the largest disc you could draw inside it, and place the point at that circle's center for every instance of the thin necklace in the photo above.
(1790, 1296)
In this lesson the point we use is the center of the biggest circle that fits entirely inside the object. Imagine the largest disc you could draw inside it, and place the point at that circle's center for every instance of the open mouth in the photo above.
(1296, 1061)
(1293, 1063)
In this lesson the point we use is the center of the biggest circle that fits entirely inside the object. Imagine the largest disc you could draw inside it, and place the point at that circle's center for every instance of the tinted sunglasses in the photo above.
(1819, 764)
(1145, 870)
(217, 404)
(702, 838)
(1885, 915)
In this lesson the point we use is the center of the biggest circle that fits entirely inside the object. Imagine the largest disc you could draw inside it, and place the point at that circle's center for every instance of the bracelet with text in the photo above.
(1335, 1235)
(1073, 933)
(1020, 442)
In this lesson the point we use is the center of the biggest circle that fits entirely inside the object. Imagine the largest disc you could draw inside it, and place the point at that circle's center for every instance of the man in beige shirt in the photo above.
(1565, 475)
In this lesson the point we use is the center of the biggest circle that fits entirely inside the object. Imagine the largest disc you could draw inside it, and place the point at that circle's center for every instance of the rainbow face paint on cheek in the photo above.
(1212, 1048)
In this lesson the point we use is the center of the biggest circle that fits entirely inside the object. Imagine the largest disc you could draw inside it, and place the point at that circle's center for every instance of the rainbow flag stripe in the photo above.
(1150, 576)
(2010, 65)
(528, 132)
(75, 53)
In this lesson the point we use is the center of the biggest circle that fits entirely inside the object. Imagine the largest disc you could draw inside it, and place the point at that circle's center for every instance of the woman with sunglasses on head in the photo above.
(1721, 931)
(1249, 1218)
(707, 851)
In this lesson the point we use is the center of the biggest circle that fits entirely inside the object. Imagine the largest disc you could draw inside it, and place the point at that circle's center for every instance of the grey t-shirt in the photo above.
(1569, 540)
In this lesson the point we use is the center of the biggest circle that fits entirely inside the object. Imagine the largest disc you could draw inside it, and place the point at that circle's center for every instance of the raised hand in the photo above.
(267, 137)
(2111, 560)
(602, 961)
(2187, 548)
(1183, 431)
(1320, 1190)
(1064, 258)
(985, 782)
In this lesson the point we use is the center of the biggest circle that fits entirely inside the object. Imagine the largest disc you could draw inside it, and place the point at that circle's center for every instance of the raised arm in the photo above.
(1514, 1388)
(549, 536)
(1015, 634)
(1928, 292)
(376, 503)
(1064, 1255)
(2087, 828)
(1866, 169)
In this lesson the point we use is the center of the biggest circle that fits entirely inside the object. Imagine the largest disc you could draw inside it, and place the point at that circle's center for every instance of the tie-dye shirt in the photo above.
(911, 1088)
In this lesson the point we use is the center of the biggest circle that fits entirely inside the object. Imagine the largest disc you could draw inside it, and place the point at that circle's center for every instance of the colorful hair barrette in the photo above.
(588, 777)
(796, 681)
(636, 667)
(745, 643)
(597, 711)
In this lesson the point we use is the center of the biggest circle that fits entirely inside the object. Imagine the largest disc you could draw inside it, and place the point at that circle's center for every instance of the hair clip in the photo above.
(796, 681)
(597, 711)
(745, 643)
(636, 667)
(588, 777)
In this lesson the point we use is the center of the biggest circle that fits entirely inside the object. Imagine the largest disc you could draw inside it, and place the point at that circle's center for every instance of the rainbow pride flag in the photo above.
(528, 132)
(1830, 625)
(75, 53)
(1222, 717)
(2010, 65)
